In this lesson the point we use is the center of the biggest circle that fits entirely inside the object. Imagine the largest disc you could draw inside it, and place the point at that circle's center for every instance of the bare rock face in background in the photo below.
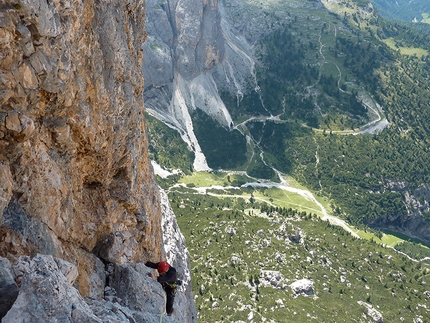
(75, 178)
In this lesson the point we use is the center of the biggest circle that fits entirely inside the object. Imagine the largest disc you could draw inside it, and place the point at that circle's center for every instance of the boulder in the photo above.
(46, 294)
(375, 315)
(302, 287)
(272, 278)
(136, 289)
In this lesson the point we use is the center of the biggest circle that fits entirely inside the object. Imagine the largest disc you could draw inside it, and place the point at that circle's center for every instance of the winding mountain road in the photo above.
(206, 190)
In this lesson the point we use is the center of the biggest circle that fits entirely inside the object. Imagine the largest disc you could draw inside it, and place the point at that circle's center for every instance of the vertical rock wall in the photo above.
(75, 178)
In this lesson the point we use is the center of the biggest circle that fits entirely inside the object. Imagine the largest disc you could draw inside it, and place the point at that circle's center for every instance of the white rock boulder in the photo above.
(303, 287)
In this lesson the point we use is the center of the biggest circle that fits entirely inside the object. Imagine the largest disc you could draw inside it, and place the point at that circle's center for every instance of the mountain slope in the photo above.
(416, 10)
(305, 84)
(328, 94)
(255, 262)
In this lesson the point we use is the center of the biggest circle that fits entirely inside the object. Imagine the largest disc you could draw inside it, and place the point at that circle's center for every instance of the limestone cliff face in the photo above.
(191, 31)
(75, 177)
(191, 53)
(46, 295)
(74, 168)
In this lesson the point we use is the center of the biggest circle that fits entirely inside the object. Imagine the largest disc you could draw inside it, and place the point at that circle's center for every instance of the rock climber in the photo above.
(167, 278)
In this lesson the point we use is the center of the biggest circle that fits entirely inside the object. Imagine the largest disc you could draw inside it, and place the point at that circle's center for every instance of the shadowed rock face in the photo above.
(75, 178)
(8, 288)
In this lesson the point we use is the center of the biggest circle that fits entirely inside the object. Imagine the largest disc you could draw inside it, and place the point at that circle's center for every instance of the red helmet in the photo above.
(163, 267)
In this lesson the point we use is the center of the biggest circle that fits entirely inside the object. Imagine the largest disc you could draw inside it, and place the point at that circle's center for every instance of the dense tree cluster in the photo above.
(167, 148)
(223, 148)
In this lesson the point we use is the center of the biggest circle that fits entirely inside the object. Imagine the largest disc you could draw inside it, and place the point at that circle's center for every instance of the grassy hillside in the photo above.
(245, 256)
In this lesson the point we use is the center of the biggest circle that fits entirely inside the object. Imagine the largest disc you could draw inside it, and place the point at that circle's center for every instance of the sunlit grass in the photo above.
(410, 51)
(367, 235)
(338, 8)
(426, 18)
(287, 199)
(390, 240)
(386, 238)
(202, 179)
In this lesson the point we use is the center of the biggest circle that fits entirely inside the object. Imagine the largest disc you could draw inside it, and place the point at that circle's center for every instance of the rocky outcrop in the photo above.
(303, 287)
(273, 279)
(46, 295)
(8, 288)
(371, 312)
(75, 178)
(40, 289)
(177, 254)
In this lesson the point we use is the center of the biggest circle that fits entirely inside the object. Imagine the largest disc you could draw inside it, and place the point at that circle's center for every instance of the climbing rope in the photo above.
(162, 314)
